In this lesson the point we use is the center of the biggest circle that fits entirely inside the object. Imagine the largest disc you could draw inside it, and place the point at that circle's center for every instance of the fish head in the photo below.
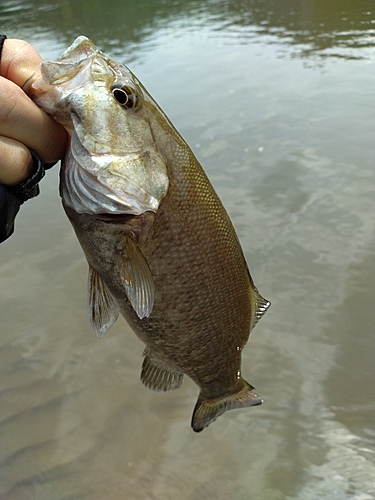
(113, 165)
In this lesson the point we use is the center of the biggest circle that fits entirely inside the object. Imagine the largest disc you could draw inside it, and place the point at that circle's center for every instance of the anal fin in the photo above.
(103, 310)
(158, 377)
(208, 410)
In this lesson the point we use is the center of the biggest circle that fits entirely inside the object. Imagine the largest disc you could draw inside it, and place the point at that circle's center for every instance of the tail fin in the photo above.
(207, 410)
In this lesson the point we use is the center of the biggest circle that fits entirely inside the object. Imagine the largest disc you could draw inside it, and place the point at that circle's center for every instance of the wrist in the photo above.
(29, 188)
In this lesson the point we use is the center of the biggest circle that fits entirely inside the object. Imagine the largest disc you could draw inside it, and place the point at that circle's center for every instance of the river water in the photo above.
(277, 101)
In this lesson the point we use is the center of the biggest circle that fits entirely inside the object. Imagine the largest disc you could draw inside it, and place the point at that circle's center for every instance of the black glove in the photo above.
(12, 197)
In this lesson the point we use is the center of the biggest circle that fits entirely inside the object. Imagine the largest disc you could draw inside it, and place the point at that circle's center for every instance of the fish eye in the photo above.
(125, 96)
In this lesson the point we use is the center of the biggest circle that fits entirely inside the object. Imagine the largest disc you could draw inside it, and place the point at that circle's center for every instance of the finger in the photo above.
(19, 60)
(16, 162)
(22, 120)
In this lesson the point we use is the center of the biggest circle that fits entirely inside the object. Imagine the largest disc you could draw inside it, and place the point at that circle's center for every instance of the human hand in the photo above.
(22, 124)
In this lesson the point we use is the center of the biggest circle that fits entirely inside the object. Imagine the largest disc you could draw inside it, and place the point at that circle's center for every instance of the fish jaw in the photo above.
(207, 411)
(112, 164)
(56, 80)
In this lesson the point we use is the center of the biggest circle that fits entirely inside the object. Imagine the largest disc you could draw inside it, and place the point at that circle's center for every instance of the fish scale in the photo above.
(173, 266)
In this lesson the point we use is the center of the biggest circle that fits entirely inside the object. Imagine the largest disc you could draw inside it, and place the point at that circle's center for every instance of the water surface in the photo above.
(277, 101)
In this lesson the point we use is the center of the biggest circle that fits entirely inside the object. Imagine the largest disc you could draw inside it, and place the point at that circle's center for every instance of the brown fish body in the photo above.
(187, 255)
(204, 297)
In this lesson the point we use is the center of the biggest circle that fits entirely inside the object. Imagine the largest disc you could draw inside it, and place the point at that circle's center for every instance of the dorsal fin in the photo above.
(103, 310)
(259, 307)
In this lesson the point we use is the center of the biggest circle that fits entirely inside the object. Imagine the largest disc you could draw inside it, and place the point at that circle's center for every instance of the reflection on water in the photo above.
(330, 29)
(276, 99)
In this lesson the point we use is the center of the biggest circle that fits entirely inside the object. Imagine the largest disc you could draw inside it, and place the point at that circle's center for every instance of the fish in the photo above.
(160, 246)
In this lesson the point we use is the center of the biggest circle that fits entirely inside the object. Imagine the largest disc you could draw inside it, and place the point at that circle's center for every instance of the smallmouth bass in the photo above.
(160, 246)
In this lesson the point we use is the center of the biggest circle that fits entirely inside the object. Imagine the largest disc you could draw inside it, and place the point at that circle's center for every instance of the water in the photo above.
(277, 101)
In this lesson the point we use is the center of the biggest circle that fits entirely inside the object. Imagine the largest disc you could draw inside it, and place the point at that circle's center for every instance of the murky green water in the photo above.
(277, 101)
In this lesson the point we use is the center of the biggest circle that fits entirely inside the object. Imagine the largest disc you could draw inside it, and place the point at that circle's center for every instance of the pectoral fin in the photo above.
(137, 280)
(103, 310)
(207, 410)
